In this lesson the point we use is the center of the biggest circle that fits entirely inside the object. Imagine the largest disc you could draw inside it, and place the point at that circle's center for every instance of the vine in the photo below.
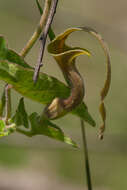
(60, 99)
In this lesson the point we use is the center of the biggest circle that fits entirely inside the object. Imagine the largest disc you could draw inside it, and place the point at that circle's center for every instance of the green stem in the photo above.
(2, 104)
(38, 30)
(50, 32)
(86, 157)
(8, 102)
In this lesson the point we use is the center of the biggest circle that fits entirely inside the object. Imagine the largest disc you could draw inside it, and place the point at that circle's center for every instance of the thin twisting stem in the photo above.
(87, 166)
(39, 29)
(44, 37)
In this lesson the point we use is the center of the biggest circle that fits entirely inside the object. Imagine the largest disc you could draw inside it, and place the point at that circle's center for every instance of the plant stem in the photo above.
(44, 37)
(8, 102)
(50, 32)
(86, 157)
(2, 104)
(39, 29)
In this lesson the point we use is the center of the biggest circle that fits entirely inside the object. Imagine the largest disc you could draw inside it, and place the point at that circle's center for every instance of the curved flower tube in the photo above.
(65, 57)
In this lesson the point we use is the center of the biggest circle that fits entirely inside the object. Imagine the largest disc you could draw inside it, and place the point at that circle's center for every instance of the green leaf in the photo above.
(44, 91)
(21, 117)
(2, 126)
(6, 130)
(10, 55)
(82, 112)
(47, 128)
(13, 57)
(44, 127)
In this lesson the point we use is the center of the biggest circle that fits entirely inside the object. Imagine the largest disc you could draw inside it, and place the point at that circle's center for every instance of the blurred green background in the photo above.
(42, 163)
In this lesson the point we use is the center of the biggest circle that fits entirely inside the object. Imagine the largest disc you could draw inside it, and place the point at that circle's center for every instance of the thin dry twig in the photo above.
(44, 37)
